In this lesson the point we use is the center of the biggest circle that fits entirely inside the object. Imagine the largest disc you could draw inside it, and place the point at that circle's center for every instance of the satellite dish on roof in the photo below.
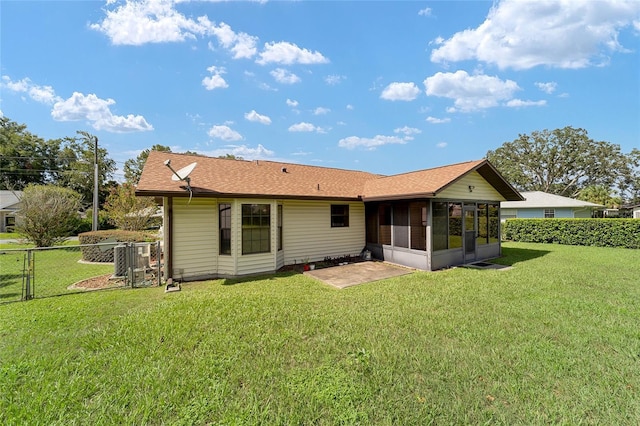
(184, 172)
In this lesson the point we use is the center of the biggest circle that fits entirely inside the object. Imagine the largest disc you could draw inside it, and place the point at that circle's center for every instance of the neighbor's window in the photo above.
(10, 223)
(224, 216)
(256, 228)
(339, 215)
(549, 213)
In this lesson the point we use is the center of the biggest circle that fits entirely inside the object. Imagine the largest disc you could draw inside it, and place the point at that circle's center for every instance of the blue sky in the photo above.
(385, 87)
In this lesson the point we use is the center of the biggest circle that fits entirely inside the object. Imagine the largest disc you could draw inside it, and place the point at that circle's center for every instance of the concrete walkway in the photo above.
(357, 273)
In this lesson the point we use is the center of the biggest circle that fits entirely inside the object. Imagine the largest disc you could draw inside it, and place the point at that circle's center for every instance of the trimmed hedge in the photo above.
(95, 254)
(578, 232)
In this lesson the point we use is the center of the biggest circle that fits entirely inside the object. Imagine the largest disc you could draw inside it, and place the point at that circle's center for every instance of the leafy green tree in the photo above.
(629, 182)
(48, 214)
(76, 159)
(561, 161)
(600, 195)
(133, 167)
(230, 157)
(128, 212)
(24, 157)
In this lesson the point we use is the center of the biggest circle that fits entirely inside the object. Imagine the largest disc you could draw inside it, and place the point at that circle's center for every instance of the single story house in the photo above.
(237, 217)
(9, 206)
(542, 205)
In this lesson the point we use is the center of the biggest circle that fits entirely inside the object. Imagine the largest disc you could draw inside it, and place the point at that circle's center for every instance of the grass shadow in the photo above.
(250, 278)
(513, 255)
(12, 296)
(7, 280)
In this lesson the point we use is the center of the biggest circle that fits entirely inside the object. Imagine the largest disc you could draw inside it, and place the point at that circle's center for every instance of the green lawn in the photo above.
(555, 340)
(55, 269)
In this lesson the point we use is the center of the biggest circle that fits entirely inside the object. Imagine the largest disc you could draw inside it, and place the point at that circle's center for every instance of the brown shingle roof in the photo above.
(240, 178)
(424, 183)
(219, 177)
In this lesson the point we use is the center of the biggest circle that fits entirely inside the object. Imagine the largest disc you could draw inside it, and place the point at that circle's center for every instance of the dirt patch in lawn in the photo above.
(98, 283)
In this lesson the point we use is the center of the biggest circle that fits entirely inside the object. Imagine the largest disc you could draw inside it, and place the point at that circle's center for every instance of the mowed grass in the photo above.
(54, 270)
(555, 340)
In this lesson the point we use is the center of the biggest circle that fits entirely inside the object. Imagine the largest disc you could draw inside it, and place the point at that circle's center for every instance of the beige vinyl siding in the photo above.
(482, 190)
(195, 245)
(258, 262)
(307, 231)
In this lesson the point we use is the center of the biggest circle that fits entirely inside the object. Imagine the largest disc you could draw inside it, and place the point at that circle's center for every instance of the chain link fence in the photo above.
(28, 273)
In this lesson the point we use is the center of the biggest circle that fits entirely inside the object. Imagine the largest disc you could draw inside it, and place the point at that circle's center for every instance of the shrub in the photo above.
(48, 214)
(128, 212)
(584, 232)
(92, 252)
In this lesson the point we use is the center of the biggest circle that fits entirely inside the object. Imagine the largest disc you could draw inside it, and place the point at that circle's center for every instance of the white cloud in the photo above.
(245, 46)
(519, 103)
(16, 86)
(292, 103)
(304, 127)
(408, 132)
(215, 81)
(252, 153)
(525, 34)
(353, 142)
(434, 120)
(257, 118)
(321, 111)
(41, 94)
(349, 107)
(148, 21)
(400, 92)
(441, 145)
(425, 12)
(97, 111)
(548, 87)
(224, 133)
(334, 79)
(244, 151)
(288, 53)
(79, 107)
(470, 92)
(152, 21)
(242, 45)
(265, 86)
(285, 77)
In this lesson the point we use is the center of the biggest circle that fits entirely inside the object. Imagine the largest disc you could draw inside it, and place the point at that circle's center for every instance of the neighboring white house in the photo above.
(542, 205)
(635, 211)
(9, 206)
(237, 217)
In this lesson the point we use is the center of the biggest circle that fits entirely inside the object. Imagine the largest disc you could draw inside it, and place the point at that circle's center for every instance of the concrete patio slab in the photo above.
(358, 273)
